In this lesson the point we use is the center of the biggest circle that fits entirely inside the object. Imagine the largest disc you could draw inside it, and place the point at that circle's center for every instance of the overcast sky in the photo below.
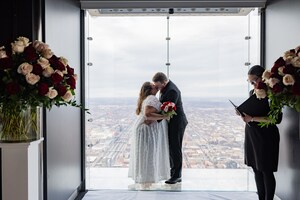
(207, 54)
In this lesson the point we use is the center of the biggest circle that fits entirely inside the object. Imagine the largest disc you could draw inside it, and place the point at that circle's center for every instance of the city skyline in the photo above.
(213, 138)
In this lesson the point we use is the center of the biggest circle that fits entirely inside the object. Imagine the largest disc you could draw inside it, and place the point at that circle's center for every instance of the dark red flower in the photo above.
(72, 82)
(70, 70)
(30, 54)
(276, 75)
(61, 90)
(279, 62)
(277, 88)
(12, 88)
(261, 85)
(43, 89)
(37, 69)
(56, 64)
(56, 78)
(296, 88)
(289, 69)
(6, 63)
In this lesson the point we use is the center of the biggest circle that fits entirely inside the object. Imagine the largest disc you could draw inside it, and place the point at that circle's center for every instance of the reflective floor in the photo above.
(192, 179)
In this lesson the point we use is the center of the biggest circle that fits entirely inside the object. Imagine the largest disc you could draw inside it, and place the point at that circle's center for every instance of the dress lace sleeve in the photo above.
(153, 101)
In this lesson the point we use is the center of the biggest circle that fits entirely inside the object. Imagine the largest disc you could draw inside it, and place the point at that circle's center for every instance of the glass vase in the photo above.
(22, 126)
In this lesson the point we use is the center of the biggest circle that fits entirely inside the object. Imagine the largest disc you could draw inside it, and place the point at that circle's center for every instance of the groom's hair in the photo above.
(159, 77)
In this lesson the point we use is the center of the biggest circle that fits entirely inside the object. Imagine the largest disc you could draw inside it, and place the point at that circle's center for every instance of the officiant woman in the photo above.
(261, 143)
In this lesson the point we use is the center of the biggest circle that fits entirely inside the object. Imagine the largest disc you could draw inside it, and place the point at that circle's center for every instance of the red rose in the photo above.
(61, 90)
(278, 63)
(277, 88)
(56, 78)
(37, 69)
(30, 54)
(56, 64)
(289, 69)
(72, 82)
(296, 89)
(43, 89)
(6, 63)
(70, 70)
(276, 75)
(261, 85)
(12, 88)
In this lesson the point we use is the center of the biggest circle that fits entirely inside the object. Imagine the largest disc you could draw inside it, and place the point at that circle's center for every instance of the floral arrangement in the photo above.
(32, 76)
(282, 83)
(168, 108)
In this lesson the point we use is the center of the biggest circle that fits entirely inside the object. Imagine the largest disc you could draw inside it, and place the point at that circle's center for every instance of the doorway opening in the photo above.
(209, 56)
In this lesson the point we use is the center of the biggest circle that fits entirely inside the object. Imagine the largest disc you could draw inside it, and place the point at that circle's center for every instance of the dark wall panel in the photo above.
(62, 33)
(282, 34)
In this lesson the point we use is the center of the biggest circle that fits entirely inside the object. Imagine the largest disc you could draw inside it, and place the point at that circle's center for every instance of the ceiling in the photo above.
(175, 7)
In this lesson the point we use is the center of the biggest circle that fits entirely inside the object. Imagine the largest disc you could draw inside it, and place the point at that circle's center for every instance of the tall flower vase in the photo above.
(20, 126)
(21, 153)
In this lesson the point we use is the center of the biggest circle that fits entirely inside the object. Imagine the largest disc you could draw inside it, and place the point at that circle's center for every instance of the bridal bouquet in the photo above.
(168, 108)
(283, 83)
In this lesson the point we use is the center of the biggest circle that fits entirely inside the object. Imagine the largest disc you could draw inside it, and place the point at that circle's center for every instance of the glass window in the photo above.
(207, 56)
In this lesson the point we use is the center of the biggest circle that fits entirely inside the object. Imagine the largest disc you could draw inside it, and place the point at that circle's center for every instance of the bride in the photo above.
(149, 155)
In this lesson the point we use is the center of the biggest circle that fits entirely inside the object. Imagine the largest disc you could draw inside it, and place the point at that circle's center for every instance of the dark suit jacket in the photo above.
(173, 94)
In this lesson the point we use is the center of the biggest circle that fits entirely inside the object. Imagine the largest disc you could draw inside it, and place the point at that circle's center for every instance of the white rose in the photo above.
(273, 81)
(288, 80)
(17, 47)
(24, 40)
(68, 96)
(52, 93)
(40, 46)
(63, 61)
(2, 54)
(47, 53)
(288, 56)
(48, 72)
(59, 72)
(266, 75)
(75, 77)
(32, 78)
(25, 68)
(43, 62)
(280, 70)
(296, 61)
(166, 109)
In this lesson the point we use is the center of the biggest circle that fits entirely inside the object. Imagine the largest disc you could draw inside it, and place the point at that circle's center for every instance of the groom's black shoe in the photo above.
(173, 180)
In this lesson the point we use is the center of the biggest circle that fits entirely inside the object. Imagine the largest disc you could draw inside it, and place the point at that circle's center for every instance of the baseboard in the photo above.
(73, 195)
(276, 198)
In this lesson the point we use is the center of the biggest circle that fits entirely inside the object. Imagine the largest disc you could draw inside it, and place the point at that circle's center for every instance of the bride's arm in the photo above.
(151, 114)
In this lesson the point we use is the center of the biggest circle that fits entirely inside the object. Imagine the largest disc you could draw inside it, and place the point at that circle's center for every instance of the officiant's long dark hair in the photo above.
(144, 92)
(256, 70)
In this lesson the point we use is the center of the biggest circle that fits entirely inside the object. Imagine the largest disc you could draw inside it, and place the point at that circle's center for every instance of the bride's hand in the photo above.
(148, 122)
(167, 117)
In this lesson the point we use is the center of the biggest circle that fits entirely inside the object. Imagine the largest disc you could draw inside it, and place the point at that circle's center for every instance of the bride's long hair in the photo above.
(144, 92)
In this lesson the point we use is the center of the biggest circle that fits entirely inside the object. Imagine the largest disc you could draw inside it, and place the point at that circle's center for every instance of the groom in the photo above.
(176, 126)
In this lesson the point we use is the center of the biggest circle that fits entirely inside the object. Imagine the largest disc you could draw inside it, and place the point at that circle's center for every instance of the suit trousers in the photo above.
(175, 135)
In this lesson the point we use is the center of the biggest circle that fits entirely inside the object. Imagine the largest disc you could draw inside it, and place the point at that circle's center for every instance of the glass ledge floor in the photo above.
(192, 179)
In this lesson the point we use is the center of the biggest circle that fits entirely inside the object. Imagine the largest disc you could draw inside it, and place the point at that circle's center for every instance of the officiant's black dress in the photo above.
(262, 144)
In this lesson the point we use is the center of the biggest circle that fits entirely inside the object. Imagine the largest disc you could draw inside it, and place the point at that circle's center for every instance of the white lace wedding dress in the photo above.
(149, 156)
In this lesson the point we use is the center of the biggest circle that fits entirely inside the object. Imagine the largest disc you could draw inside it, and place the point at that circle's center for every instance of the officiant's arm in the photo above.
(249, 118)
(151, 114)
